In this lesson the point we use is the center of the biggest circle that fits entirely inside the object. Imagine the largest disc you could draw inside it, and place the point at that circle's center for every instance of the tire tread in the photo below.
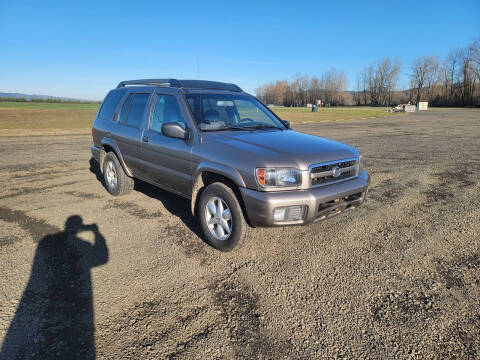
(240, 228)
(124, 182)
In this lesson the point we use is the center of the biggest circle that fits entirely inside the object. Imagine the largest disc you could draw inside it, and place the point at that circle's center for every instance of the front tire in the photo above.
(221, 217)
(117, 181)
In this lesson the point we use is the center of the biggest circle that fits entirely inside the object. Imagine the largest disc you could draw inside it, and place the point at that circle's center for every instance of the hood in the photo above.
(283, 148)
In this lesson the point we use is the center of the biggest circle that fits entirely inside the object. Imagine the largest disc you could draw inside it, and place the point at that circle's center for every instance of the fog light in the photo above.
(289, 213)
(279, 214)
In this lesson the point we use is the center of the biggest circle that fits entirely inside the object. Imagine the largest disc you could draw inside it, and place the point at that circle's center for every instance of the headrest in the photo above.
(211, 116)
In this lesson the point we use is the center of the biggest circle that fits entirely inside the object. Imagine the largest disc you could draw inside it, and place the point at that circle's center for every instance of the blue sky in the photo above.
(82, 49)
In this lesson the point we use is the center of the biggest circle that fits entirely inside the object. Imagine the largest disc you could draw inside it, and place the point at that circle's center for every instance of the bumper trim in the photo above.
(322, 202)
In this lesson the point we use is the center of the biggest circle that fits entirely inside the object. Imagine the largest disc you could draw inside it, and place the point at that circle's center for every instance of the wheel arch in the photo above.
(208, 173)
(108, 145)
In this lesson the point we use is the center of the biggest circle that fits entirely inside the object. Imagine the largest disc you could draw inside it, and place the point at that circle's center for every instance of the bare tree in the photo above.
(357, 97)
(474, 51)
(379, 81)
(366, 95)
(331, 88)
(333, 83)
(424, 74)
(469, 78)
(453, 60)
(387, 74)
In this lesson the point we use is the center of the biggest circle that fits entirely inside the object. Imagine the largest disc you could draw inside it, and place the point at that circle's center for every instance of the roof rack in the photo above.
(185, 84)
(154, 82)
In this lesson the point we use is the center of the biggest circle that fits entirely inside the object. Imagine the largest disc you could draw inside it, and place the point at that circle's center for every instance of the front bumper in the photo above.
(95, 152)
(322, 202)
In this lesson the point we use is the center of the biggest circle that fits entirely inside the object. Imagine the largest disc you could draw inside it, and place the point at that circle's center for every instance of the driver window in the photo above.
(165, 109)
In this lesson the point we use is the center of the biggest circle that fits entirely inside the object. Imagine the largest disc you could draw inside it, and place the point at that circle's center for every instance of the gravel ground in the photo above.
(87, 275)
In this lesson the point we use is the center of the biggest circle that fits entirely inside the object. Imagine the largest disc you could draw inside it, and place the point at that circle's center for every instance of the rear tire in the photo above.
(117, 181)
(221, 217)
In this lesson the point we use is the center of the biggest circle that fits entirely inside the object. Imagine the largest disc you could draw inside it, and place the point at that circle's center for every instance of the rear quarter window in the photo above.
(133, 109)
(109, 104)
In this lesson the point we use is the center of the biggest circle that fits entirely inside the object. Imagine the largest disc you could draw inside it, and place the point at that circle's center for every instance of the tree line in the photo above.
(45, 100)
(330, 88)
(450, 81)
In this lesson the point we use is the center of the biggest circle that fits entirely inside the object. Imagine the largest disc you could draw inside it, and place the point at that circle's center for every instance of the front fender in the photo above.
(220, 169)
(216, 168)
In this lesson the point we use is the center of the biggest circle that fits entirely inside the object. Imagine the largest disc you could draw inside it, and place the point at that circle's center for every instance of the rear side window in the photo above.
(126, 109)
(109, 105)
(133, 109)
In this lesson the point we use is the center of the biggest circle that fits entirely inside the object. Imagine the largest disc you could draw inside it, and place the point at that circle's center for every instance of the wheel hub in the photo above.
(111, 174)
(219, 218)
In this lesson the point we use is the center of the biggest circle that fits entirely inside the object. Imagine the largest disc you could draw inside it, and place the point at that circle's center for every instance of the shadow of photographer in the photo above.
(55, 316)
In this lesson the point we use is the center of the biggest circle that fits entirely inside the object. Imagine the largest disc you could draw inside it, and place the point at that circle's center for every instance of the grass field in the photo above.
(48, 106)
(63, 116)
(24, 115)
(300, 115)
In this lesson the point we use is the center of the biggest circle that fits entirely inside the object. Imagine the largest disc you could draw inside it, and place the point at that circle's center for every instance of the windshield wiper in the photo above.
(262, 127)
(247, 127)
(226, 128)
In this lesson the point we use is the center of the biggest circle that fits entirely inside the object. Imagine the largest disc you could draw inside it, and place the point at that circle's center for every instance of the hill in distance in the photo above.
(27, 97)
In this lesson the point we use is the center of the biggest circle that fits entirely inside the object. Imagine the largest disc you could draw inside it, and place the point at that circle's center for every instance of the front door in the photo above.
(167, 160)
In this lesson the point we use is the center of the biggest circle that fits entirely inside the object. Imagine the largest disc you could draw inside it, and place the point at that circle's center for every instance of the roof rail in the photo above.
(206, 84)
(187, 84)
(155, 82)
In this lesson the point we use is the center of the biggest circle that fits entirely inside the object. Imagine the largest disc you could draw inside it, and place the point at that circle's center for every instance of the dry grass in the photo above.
(42, 116)
(303, 115)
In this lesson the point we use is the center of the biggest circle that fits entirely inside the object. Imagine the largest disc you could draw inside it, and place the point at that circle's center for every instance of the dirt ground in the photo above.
(397, 278)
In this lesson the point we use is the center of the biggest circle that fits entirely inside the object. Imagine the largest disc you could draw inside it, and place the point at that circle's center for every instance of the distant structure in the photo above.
(410, 108)
(316, 104)
(422, 105)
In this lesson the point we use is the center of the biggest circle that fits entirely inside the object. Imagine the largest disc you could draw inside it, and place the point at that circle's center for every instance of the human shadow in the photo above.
(55, 319)
(175, 204)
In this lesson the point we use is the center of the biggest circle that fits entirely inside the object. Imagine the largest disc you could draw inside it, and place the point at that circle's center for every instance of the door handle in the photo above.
(145, 138)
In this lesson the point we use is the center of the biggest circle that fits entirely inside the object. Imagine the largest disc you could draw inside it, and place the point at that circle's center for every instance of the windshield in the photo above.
(236, 112)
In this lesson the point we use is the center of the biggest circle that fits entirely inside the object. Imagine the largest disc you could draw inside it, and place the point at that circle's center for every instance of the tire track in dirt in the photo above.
(37, 228)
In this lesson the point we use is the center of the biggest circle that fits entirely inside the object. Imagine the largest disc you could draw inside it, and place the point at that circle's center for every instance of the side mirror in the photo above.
(174, 130)
(286, 123)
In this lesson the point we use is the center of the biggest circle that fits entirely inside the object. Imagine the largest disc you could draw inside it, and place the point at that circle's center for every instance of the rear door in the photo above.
(128, 132)
(167, 160)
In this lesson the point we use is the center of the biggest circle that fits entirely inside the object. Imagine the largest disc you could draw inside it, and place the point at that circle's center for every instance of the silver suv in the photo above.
(239, 163)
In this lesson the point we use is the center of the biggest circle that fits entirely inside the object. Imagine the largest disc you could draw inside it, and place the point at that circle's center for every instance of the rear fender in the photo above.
(108, 144)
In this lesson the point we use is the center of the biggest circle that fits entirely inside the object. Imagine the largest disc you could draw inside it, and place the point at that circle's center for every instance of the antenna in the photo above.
(198, 69)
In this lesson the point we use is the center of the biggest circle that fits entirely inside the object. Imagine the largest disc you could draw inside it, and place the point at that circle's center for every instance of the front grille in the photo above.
(333, 171)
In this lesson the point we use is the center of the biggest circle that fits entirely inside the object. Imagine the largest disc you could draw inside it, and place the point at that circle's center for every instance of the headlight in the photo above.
(278, 177)
(360, 164)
